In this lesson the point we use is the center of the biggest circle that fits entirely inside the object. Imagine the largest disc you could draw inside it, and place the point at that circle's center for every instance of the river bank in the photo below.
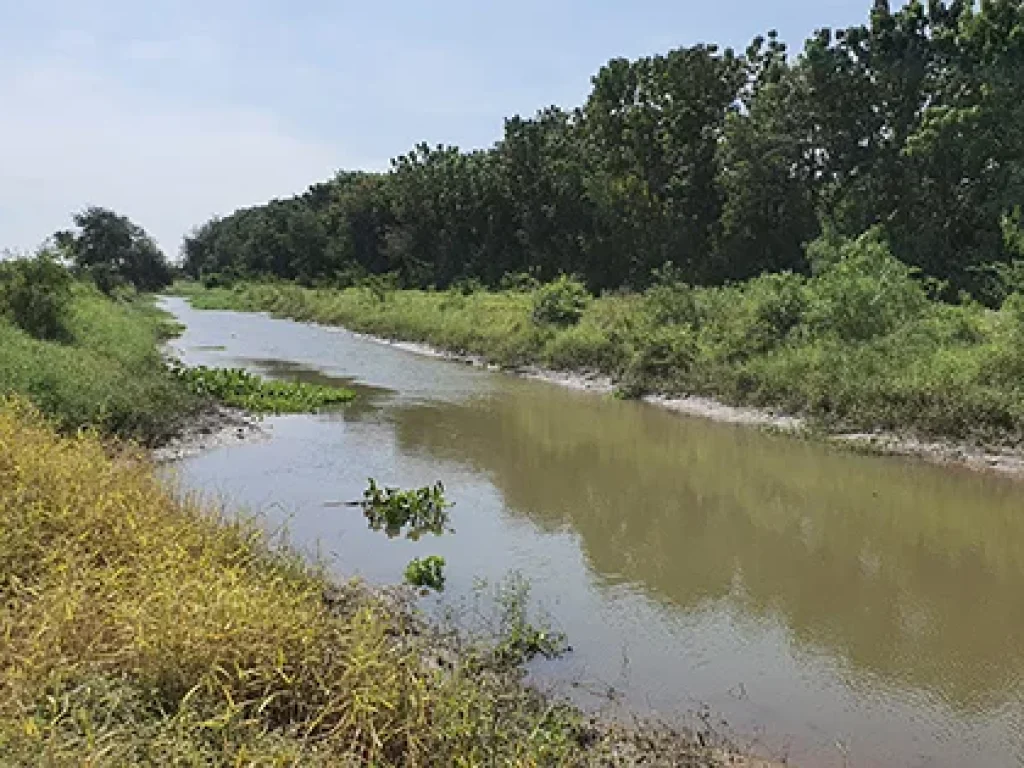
(181, 631)
(274, 661)
(391, 323)
(1003, 460)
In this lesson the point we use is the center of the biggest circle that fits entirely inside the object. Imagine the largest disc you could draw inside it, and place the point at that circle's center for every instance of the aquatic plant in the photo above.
(521, 637)
(413, 512)
(426, 572)
(237, 387)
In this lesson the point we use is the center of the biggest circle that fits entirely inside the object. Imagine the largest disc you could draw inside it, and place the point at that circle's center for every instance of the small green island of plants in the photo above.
(241, 389)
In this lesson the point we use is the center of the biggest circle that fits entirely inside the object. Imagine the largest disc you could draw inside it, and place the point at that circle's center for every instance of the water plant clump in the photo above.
(411, 513)
(427, 572)
(237, 387)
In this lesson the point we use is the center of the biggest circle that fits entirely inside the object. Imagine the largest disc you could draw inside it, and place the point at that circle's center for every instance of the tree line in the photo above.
(723, 164)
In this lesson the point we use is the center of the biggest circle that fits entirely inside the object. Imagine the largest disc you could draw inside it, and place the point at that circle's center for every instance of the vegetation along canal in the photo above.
(835, 608)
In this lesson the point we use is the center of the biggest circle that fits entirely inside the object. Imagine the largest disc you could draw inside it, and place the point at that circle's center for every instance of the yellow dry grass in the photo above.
(139, 629)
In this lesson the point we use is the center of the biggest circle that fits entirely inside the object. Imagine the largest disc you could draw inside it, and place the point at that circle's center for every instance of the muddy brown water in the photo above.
(833, 608)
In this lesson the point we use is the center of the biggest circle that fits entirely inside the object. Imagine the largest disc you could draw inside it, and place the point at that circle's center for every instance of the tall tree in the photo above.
(115, 250)
(766, 170)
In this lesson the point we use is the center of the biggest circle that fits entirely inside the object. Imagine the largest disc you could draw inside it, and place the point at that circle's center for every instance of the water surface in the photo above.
(836, 608)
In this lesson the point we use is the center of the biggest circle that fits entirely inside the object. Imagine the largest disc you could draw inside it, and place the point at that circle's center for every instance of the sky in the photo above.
(172, 111)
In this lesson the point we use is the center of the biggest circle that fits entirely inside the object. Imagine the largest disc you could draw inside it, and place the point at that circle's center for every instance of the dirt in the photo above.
(214, 427)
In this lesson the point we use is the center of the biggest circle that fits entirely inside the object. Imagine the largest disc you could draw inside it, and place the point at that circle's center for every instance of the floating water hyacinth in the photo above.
(237, 387)
(414, 512)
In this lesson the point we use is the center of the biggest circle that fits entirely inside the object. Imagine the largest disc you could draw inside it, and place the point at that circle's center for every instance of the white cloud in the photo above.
(71, 137)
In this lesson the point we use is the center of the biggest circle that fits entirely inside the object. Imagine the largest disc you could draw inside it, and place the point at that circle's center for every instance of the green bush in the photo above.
(561, 302)
(219, 280)
(583, 346)
(519, 282)
(672, 303)
(863, 292)
(662, 356)
(107, 373)
(35, 294)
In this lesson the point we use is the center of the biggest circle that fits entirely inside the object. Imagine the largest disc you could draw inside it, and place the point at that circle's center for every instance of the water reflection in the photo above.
(911, 572)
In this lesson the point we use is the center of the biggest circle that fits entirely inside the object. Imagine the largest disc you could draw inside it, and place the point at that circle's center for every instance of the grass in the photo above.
(858, 346)
(107, 373)
(105, 370)
(144, 630)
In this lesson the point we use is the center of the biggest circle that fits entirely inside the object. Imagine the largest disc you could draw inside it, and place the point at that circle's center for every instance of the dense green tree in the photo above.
(114, 250)
(766, 174)
(723, 165)
(546, 216)
(655, 126)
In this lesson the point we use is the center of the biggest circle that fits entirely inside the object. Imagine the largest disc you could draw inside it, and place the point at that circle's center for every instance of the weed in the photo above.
(858, 345)
(106, 372)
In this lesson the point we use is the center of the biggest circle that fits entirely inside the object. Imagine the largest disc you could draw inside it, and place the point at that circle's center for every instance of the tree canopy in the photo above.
(114, 250)
(724, 164)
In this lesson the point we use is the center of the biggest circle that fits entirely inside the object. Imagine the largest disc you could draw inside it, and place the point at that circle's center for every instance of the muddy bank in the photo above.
(447, 648)
(213, 427)
(1007, 460)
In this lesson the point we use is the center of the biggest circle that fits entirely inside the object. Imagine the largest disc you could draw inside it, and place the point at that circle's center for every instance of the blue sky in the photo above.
(171, 111)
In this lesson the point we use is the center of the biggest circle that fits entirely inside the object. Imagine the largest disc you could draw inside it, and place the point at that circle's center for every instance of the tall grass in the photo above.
(858, 345)
(143, 630)
(106, 371)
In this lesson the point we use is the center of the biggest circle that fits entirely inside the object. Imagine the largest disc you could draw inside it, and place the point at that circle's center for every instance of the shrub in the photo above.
(1004, 364)
(35, 294)
(584, 346)
(662, 356)
(673, 303)
(745, 320)
(219, 280)
(466, 286)
(775, 304)
(561, 302)
(864, 292)
(519, 282)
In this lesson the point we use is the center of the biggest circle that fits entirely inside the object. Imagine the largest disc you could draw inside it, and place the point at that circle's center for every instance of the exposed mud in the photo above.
(213, 427)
